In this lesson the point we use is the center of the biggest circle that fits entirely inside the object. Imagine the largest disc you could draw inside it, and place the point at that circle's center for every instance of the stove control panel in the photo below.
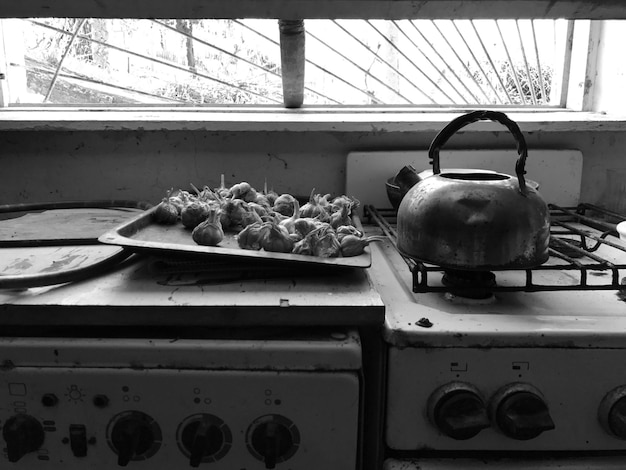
(155, 418)
(506, 399)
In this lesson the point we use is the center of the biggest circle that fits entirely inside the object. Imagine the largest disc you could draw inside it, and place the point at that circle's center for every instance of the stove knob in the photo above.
(458, 411)
(612, 412)
(23, 434)
(521, 413)
(133, 436)
(273, 439)
(204, 438)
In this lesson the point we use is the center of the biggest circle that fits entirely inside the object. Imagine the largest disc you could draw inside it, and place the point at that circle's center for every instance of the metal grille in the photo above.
(577, 234)
(348, 62)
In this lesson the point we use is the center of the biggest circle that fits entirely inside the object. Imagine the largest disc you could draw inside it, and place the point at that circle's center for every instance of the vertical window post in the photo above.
(12, 63)
(4, 66)
(292, 61)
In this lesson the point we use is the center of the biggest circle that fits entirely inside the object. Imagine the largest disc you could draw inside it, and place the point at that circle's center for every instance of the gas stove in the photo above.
(510, 369)
(516, 361)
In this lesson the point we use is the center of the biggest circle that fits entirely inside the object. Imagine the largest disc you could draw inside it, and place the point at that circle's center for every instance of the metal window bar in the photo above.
(511, 65)
(113, 86)
(480, 67)
(444, 74)
(567, 243)
(158, 61)
(79, 26)
(452, 71)
(528, 75)
(566, 65)
(213, 46)
(377, 56)
(430, 62)
(441, 73)
(314, 64)
(542, 86)
(493, 67)
(395, 47)
(366, 72)
(374, 53)
(235, 56)
(533, 95)
(456, 54)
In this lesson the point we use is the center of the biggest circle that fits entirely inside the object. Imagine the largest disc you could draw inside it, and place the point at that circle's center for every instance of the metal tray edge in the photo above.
(121, 236)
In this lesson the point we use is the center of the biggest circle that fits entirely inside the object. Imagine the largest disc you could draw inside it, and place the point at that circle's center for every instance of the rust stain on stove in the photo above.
(402, 340)
(171, 296)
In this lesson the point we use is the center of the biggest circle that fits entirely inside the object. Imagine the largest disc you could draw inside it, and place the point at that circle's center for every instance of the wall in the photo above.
(609, 93)
(55, 166)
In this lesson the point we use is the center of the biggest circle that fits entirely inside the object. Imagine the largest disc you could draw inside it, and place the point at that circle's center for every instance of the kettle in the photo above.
(478, 219)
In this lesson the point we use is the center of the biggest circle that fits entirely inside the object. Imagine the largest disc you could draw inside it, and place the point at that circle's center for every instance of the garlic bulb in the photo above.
(166, 213)
(277, 239)
(194, 213)
(351, 245)
(209, 232)
(251, 237)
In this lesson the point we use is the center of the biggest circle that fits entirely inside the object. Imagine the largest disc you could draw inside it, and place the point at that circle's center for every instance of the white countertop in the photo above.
(139, 294)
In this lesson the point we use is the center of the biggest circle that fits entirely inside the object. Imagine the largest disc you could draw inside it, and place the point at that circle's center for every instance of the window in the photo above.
(352, 62)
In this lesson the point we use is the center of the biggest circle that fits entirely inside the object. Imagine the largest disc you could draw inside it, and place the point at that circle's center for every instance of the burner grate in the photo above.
(577, 236)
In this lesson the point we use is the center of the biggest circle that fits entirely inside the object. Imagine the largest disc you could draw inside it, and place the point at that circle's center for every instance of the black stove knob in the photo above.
(273, 439)
(202, 439)
(617, 419)
(23, 434)
(458, 411)
(522, 414)
(612, 412)
(133, 436)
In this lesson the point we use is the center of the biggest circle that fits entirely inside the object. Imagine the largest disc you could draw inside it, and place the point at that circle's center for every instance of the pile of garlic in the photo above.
(266, 220)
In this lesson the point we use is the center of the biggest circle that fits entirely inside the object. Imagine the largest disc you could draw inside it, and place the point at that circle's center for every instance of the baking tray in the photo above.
(142, 234)
(50, 243)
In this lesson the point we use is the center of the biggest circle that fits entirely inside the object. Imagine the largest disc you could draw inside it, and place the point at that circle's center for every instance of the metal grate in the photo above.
(577, 234)
(423, 62)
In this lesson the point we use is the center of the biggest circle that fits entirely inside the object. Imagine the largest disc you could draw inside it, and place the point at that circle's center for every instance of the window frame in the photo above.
(576, 115)
(368, 120)
(324, 9)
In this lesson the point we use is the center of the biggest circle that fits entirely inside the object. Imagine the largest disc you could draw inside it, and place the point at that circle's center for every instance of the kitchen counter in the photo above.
(145, 291)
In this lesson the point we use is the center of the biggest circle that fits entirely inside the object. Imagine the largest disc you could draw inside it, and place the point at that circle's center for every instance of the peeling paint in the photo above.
(58, 265)
(549, 7)
(19, 265)
(282, 160)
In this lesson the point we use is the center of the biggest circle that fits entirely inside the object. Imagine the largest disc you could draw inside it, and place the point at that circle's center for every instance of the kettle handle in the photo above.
(466, 119)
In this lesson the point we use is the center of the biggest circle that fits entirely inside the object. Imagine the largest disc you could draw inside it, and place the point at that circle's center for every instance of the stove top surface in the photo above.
(141, 291)
(433, 316)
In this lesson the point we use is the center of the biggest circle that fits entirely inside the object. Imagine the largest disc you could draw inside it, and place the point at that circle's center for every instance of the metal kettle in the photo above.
(476, 220)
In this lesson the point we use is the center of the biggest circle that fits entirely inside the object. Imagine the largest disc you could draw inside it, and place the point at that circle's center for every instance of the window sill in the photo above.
(285, 120)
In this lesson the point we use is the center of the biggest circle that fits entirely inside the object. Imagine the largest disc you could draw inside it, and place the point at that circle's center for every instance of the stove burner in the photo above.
(469, 284)
(572, 261)
(460, 300)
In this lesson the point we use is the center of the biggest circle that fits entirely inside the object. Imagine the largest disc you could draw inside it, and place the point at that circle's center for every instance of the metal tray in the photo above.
(142, 234)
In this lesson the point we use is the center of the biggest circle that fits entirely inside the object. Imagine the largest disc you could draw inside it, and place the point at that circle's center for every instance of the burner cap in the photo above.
(469, 284)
